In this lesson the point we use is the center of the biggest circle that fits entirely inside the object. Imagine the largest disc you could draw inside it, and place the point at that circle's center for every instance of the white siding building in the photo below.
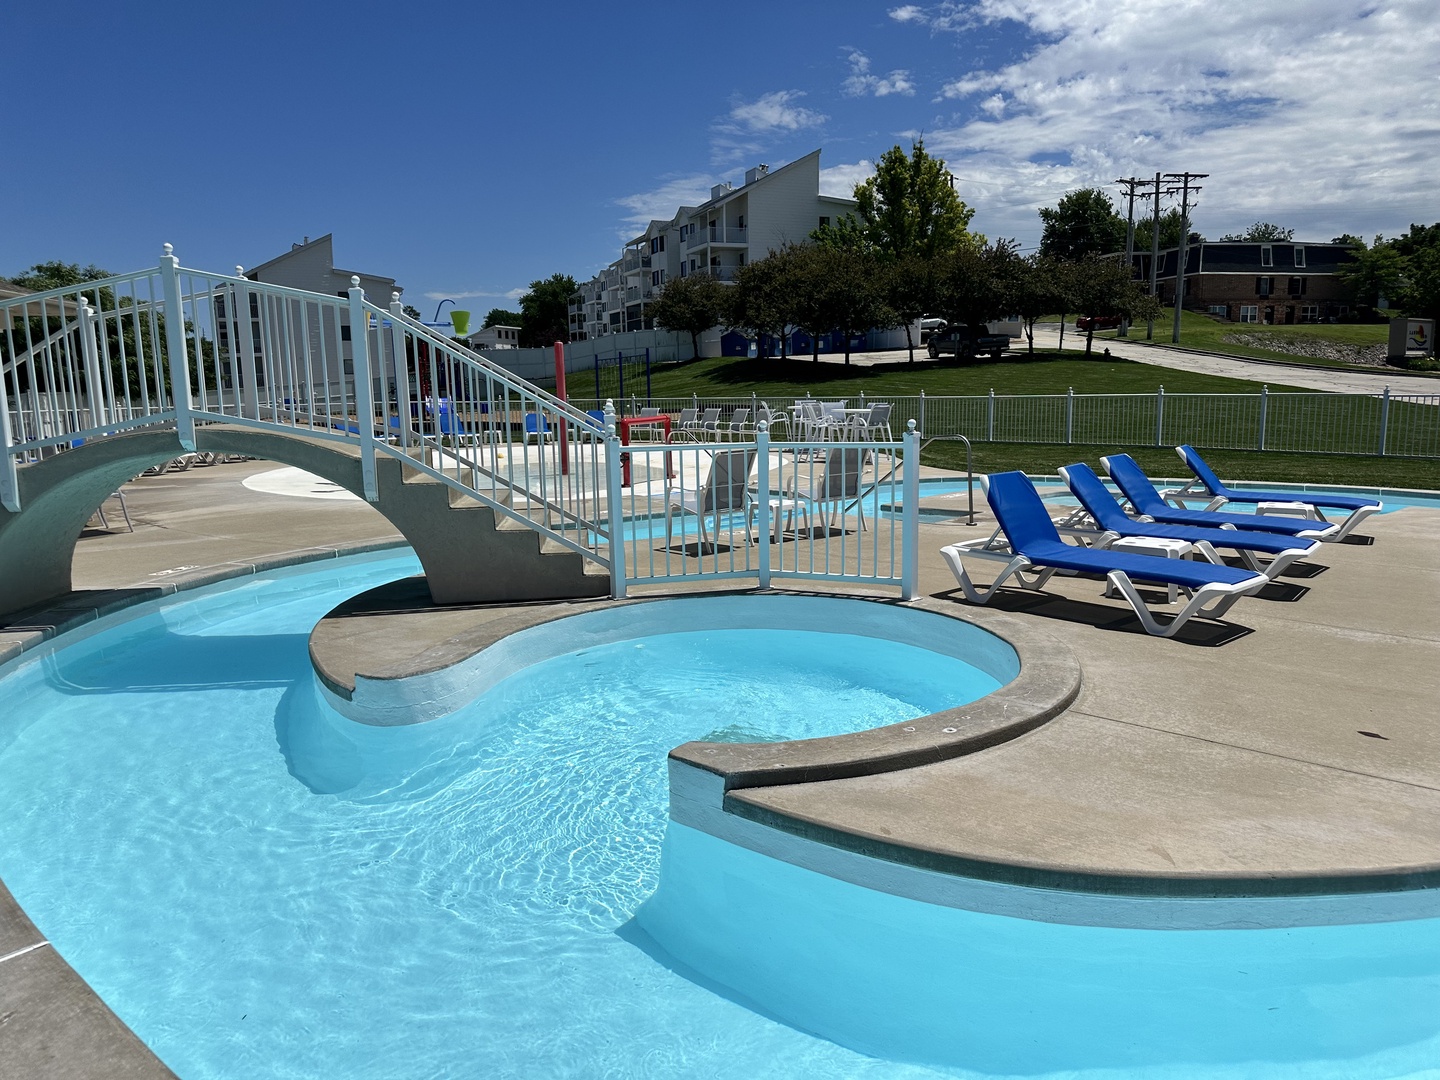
(736, 226)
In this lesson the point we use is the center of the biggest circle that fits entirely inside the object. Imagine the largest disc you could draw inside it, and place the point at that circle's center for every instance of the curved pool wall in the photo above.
(906, 980)
(429, 695)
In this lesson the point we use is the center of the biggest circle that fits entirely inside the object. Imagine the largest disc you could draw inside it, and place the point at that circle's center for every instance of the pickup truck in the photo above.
(956, 341)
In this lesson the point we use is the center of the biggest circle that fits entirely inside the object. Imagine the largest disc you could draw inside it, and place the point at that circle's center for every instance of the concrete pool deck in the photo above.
(1293, 749)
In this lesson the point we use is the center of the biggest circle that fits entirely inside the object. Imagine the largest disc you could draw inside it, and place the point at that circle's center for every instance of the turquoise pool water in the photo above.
(262, 888)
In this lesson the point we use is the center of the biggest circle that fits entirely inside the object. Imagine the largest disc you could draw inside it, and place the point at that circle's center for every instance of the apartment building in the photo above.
(735, 226)
(1254, 282)
(310, 265)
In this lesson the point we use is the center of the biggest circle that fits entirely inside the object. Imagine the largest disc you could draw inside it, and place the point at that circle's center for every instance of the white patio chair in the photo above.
(723, 490)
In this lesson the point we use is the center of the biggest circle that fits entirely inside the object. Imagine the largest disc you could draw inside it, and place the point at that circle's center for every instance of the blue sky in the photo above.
(468, 149)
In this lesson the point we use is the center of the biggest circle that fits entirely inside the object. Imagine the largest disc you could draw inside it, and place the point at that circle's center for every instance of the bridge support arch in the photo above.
(466, 558)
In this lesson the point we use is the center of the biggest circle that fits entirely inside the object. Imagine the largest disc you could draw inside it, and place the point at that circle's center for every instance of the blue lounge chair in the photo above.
(1035, 547)
(1207, 485)
(1111, 522)
(1136, 486)
(536, 427)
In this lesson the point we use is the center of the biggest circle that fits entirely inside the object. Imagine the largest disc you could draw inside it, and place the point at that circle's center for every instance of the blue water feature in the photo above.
(260, 887)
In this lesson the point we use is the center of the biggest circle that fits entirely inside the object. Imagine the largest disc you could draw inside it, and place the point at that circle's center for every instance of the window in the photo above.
(1267, 255)
(1219, 309)
(1310, 313)
(824, 222)
(344, 331)
(1249, 313)
(1297, 286)
(1299, 256)
(1264, 286)
(657, 245)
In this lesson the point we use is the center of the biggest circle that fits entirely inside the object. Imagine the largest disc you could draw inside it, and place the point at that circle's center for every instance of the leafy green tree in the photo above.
(1420, 295)
(58, 275)
(1039, 286)
(849, 292)
(1083, 223)
(1104, 287)
(1170, 226)
(910, 288)
(501, 317)
(845, 232)
(1419, 238)
(689, 305)
(1263, 232)
(973, 285)
(411, 310)
(760, 303)
(909, 208)
(1349, 239)
(1374, 272)
(545, 311)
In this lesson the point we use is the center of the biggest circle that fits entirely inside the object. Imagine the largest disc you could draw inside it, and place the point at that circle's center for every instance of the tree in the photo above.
(1039, 287)
(1374, 272)
(1169, 231)
(849, 292)
(973, 286)
(1083, 223)
(1349, 240)
(58, 275)
(1420, 296)
(909, 208)
(689, 305)
(759, 303)
(1417, 239)
(1263, 232)
(545, 311)
(1104, 287)
(500, 317)
(910, 288)
(411, 310)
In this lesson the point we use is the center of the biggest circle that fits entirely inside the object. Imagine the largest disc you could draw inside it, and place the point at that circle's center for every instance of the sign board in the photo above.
(1409, 337)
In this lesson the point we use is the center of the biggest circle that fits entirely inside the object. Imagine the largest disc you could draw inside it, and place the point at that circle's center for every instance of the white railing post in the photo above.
(1160, 413)
(1264, 411)
(910, 516)
(242, 337)
(922, 411)
(364, 388)
(90, 352)
(402, 368)
(9, 473)
(176, 350)
(990, 416)
(762, 481)
(614, 508)
(1070, 416)
(1384, 418)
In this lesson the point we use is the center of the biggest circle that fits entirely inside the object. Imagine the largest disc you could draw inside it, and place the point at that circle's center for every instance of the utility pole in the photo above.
(1183, 252)
(1132, 189)
(1154, 256)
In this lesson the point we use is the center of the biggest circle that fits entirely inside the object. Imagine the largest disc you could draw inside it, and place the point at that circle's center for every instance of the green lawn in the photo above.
(1299, 422)
(1423, 474)
(1208, 335)
(1018, 373)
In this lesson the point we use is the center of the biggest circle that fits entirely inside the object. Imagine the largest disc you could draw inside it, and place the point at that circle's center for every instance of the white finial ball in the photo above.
(394, 297)
(239, 270)
(169, 249)
(354, 281)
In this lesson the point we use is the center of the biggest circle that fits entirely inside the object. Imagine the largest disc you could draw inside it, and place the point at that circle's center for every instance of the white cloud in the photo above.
(1327, 124)
(474, 294)
(860, 82)
(840, 180)
(673, 193)
(907, 13)
(773, 112)
(750, 125)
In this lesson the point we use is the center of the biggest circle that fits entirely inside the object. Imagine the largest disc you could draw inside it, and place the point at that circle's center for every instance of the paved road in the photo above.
(1334, 380)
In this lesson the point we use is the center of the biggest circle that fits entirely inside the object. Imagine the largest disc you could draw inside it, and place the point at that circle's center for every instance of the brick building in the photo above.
(1248, 281)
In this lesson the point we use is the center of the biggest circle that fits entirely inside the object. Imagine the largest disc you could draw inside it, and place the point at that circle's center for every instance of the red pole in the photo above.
(560, 393)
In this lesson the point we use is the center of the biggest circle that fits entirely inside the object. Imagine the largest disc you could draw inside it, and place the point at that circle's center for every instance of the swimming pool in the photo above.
(258, 886)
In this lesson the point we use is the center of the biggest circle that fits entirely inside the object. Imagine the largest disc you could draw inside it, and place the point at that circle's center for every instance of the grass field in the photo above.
(1208, 335)
(1305, 423)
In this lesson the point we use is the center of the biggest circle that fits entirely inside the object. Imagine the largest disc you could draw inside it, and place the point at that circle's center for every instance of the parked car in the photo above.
(1099, 322)
(957, 341)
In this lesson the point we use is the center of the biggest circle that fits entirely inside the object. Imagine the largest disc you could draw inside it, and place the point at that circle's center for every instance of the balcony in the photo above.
(719, 273)
(718, 235)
